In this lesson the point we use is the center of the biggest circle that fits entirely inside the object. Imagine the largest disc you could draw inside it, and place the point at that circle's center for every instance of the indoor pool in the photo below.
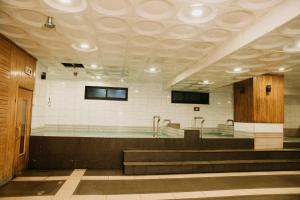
(104, 134)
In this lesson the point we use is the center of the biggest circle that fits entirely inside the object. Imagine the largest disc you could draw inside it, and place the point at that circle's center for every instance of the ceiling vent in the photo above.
(73, 65)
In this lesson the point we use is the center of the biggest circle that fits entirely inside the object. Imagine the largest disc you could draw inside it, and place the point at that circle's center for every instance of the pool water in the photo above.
(102, 134)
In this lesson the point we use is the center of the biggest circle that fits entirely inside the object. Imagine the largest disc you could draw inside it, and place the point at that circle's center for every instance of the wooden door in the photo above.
(23, 127)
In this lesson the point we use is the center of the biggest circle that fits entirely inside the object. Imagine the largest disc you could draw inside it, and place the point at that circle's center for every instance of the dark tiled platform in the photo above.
(94, 187)
(29, 173)
(107, 153)
(94, 172)
(30, 188)
(262, 197)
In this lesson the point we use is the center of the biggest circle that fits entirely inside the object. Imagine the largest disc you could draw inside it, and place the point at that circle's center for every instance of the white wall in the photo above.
(39, 99)
(292, 111)
(145, 100)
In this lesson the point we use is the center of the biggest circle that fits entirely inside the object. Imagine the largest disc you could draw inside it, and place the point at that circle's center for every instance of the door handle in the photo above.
(18, 131)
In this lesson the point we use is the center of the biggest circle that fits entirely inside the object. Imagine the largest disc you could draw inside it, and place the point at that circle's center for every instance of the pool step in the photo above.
(139, 162)
(291, 145)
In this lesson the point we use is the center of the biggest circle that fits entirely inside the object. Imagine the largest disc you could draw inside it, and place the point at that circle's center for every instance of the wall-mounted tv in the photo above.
(190, 97)
(106, 93)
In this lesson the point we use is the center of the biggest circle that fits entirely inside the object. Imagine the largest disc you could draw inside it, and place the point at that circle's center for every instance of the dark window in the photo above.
(190, 97)
(106, 93)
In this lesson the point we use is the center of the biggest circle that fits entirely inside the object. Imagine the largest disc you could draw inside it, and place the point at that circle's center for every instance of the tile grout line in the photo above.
(67, 189)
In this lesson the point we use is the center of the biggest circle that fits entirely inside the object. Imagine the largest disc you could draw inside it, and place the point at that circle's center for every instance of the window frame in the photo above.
(191, 102)
(106, 97)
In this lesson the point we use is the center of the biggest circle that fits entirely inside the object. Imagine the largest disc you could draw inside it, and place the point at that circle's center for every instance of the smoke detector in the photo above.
(49, 23)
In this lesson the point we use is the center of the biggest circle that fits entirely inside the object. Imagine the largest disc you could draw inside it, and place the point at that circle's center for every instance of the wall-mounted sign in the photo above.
(28, 71)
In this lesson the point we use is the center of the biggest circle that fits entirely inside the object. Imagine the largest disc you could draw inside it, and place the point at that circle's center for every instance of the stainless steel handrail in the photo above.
(201, 123)
(156, 120)
(230, 120)
(232, 124)
(166, 120)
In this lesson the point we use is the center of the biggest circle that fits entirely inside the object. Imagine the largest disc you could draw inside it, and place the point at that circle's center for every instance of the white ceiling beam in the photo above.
(279, 15)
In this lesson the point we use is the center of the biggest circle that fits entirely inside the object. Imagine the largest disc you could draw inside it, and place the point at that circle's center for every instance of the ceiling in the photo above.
(182, 41)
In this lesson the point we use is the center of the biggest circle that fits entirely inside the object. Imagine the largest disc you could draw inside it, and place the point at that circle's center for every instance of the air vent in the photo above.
(73, 65)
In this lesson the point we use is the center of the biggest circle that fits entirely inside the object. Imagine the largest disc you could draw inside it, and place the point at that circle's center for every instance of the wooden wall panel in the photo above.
(243, 102)
(13, 61)
(256, 105)
(268, 107)
(5, 101)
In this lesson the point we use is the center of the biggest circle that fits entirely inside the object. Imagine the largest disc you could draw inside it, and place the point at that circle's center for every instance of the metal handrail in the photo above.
(156, 125)
(201, 127)
(232, 124)
(230, 120)
(166, 120)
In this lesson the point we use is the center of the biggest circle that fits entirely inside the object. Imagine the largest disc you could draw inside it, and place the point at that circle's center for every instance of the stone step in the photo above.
(151, 168)
(207, 155)
(291, 145)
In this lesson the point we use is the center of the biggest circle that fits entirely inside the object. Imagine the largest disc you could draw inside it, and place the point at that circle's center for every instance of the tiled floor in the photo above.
(111, 184)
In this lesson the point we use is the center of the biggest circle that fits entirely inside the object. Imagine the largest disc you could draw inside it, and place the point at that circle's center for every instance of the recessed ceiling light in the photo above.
(84, 46)
(65, 1)
(282, 70)
(136, 91)
(122, 80)
(237, 70)
(94, 66)
(197, 12)
(206, 82)
(98, 77)
(292, 47)
(152, 70)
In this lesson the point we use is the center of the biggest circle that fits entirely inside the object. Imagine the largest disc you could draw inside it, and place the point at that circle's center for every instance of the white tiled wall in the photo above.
(39, 99)
(145, 100)
(292, 111)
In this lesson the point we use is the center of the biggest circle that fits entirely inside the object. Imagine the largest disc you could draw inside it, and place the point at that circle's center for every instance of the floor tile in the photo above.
(30, 188)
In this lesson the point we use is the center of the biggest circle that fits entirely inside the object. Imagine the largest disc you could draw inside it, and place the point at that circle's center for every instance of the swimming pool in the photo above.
(126, 132)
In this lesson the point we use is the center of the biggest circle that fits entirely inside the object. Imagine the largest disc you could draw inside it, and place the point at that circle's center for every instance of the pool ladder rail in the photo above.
(166, 120)
(156, 121)
(232, 124)
(201, 124)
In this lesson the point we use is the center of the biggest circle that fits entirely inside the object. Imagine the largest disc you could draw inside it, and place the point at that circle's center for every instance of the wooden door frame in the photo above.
(16, 154)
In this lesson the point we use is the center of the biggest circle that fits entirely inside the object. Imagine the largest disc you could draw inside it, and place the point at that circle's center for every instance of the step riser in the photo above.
(291, 145)
(205, 156)
(210, 168)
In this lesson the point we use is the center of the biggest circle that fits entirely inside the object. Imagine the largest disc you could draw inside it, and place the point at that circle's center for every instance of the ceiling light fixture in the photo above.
(65, 1)
(94, 66)
(84, 46)
(152, 70)
(282, 70)
(292, 47)
(197, 12)
(237, 70)
(206, 82)
(98, 77)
